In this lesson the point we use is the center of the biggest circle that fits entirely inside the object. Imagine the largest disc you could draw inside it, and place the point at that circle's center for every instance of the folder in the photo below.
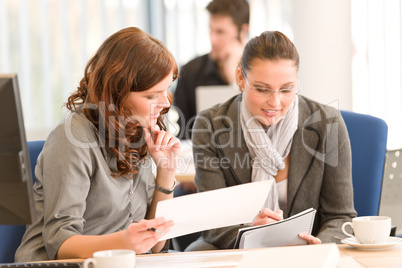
(281, 233)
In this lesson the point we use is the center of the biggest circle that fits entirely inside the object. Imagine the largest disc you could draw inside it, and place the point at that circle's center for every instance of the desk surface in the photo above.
(350, 258)
(391, 257)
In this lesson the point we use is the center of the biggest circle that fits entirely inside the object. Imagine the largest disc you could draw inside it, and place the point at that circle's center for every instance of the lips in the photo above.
(270, 112)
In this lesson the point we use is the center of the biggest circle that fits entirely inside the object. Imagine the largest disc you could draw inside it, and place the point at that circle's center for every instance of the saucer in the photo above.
(391, 241)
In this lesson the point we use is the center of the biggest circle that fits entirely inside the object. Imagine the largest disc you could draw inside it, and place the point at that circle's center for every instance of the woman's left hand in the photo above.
(163, 148)
(310, 238)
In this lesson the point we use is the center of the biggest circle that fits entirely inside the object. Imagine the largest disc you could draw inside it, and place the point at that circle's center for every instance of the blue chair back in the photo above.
(11, 235)
(368, 140)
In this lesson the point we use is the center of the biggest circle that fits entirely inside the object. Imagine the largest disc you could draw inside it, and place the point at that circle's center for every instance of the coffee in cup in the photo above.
(369, 229)
(122, 258)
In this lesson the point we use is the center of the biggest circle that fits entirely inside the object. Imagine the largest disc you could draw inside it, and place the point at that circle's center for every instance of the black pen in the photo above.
(152, 229)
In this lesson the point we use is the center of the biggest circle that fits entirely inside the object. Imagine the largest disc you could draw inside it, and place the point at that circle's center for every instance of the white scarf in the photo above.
(269, 148)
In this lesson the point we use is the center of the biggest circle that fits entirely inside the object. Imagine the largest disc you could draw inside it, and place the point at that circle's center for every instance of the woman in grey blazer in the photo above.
(94, 187)
(271, 132)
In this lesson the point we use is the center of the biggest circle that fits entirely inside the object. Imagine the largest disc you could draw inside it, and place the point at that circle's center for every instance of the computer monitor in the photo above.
(16, 193)
(208, 96)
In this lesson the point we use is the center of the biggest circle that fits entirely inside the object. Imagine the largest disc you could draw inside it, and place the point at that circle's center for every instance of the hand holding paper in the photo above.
(268, 216)
(281, 233)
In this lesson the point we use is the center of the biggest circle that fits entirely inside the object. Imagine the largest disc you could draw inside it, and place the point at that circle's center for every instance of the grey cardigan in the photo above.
(75, 193)
(319, 168)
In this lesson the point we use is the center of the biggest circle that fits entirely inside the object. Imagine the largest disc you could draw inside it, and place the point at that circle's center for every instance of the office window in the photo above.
(187, 24)
(47, 43)
(376, 63)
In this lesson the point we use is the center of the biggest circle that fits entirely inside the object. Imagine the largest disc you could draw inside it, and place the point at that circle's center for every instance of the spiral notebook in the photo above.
(277, 234)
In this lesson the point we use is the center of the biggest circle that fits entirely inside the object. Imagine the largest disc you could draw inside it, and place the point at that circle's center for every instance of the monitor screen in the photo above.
(16, 193)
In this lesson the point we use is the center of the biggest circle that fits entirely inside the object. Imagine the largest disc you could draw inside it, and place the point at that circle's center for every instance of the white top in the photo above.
(283, 195)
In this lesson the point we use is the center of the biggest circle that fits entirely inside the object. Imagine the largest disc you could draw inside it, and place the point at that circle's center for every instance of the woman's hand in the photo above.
(310, 239)
(266, 216)
(163, 148)
(141, 238)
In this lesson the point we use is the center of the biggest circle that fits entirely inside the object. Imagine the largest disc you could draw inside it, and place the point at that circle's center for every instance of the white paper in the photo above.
(214, 209)
(191, 259)
(311, 256)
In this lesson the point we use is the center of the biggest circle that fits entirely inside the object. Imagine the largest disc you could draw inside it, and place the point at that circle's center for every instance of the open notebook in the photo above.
(277, 234)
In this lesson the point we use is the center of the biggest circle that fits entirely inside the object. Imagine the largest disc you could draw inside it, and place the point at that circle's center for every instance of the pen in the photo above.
(152, 229)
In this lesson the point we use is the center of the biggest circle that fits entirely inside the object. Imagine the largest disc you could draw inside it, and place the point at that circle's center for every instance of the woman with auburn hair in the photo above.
(94, 187)
(271, 132)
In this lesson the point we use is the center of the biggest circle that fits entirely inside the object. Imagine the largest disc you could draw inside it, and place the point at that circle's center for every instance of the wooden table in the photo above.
(182, 177)
(391, 257)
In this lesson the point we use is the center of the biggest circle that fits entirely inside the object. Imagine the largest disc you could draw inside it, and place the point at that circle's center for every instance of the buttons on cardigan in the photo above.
(130, 193)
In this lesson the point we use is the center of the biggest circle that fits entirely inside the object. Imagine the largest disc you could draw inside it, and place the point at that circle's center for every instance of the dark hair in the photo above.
(129, 60)
(238, 10)
(270, 45)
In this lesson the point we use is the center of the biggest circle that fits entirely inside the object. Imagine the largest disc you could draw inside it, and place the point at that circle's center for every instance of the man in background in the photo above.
(229, 25)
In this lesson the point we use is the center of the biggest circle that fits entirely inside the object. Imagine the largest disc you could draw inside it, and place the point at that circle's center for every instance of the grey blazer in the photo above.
(319, 169)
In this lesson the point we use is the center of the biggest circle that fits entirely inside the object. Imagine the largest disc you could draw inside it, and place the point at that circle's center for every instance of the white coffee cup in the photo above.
(122, 258)
(369, 229)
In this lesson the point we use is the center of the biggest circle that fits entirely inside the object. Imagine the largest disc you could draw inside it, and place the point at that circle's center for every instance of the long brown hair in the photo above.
(129, 60)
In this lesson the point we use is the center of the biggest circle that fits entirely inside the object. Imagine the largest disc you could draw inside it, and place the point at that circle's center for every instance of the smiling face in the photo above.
(275, 75)
(146, 106)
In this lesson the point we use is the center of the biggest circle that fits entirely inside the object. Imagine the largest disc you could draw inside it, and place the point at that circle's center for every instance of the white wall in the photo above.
(322, 35)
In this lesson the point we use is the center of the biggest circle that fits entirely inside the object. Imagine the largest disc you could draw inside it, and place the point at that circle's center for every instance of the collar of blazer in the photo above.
(306, 142)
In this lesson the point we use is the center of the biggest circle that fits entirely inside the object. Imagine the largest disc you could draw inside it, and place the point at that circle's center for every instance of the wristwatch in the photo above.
(166, 190)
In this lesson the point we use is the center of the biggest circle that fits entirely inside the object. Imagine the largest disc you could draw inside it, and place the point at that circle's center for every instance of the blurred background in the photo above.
(350, 49)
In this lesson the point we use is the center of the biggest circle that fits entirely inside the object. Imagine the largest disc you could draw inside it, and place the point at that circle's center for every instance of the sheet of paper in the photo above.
(191, 259)
(311, 256)
(214, 209)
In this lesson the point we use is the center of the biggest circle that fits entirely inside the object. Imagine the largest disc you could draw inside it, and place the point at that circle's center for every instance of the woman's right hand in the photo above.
(163, 148)
(141, 238)
(266, 216)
